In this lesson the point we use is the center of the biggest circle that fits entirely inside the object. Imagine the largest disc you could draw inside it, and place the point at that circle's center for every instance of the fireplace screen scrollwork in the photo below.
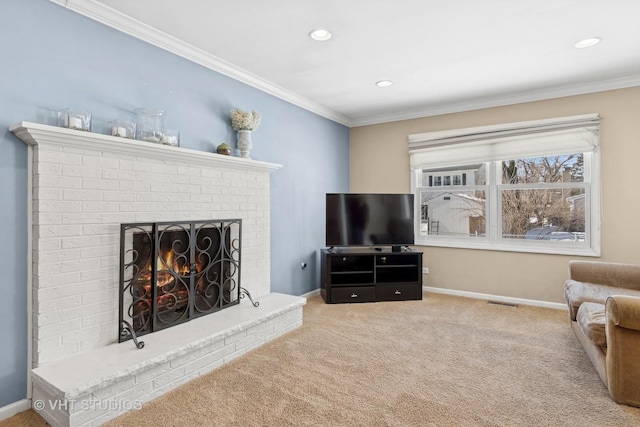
(171, 273)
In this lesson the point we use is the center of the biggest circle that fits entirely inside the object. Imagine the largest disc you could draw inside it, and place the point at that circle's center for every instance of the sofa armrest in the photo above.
(622, 330)
(624, 311)
(606, 273)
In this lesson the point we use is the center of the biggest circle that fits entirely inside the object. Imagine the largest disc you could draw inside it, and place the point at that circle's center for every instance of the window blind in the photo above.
(564, 135)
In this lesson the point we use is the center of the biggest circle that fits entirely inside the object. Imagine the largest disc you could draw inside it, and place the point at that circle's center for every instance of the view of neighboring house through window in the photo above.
(454, 209)
(542, 199)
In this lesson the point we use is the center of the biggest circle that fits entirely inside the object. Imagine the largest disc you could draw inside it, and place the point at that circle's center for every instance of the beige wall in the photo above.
(380, 163)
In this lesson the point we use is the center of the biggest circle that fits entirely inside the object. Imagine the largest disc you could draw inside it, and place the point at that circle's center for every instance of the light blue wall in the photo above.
(53, 58)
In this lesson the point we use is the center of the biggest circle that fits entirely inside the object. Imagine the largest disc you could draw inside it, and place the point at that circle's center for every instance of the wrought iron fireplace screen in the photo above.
(172, 272)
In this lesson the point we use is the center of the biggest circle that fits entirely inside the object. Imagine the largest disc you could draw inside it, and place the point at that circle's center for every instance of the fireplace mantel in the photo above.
(35, 134)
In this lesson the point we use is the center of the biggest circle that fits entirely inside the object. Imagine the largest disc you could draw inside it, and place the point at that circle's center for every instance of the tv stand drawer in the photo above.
(398, 292)
(353, 294)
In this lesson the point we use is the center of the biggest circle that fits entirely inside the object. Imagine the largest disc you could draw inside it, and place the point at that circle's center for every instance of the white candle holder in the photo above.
(122, 128)
(171, 137)
(74, 119)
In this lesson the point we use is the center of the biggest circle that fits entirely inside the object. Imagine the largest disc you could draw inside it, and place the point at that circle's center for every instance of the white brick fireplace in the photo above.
(83, 186)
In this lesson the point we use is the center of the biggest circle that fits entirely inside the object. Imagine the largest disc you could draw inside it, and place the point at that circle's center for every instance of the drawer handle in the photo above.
(397, 292)
(354, 295)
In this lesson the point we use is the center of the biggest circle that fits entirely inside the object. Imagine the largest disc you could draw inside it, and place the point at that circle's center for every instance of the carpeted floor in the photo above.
(442, 361)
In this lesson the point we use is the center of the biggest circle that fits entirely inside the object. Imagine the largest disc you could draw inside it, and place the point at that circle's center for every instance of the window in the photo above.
(529, 186)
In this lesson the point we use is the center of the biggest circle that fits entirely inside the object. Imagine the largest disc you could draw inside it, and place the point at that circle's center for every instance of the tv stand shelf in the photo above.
(369, 275)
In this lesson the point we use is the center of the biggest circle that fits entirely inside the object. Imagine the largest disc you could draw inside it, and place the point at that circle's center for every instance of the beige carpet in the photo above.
(442, 361)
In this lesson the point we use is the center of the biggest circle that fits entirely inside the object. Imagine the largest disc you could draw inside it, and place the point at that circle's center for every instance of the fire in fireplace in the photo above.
(172, 272)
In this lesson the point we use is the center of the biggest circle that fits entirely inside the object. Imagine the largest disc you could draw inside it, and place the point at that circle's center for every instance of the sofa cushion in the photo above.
(591, 319)
(575, 293)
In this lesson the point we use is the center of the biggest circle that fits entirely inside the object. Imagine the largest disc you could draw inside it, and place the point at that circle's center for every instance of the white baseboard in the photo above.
(15, 408)
(499, 298)
(311, 294)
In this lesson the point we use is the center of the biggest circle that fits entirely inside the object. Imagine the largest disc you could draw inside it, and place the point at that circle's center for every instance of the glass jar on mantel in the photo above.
(150, 125)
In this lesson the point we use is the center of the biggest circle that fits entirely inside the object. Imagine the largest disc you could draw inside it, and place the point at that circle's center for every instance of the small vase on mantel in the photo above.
(244, 143)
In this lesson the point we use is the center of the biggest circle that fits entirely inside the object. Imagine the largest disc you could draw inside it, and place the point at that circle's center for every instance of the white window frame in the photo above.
(425, 147)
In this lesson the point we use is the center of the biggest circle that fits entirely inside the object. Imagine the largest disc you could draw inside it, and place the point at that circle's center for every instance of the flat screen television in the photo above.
(369, 220)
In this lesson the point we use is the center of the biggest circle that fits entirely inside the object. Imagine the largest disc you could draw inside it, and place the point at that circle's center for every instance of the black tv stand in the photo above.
(396, 248)
(369, 275)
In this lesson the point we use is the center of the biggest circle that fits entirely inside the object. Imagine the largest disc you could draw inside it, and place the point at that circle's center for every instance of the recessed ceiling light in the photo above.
(384, 83)
(592, 41)
(320, 35)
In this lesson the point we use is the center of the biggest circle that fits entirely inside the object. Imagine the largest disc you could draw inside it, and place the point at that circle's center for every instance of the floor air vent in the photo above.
(503, 304)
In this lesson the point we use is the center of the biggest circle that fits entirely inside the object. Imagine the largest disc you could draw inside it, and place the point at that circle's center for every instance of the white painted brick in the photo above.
(81, 218)
(44, 231)
(99, 207)
(82, 151)
(41, 168)
(41, 182)
(163, 168)
(81, 171)
(114, 389)
(164, 187)
(92, 314)
(118, 218)
(96, 252)
(82, 195)
(118, 196)
(82, 241)
(99, 162)
(45, 193)
(56, 329)
(93, 229)
(51, 244)
(40, 269)
(57, 304)
(210, 348)
(168, 377)
(53, 280)
(181, 179)
(47, 319)
(69, 159)
(235, 338)
(93, 342)
(56, 206)
(134, 207)
(56, 256)
(72, 337)
(159, 207)
(148, 375)
(250, 341)
(99, 184)
(58, 292)
(54, 417)
(119, 175)
(96, 297)
(47, 219)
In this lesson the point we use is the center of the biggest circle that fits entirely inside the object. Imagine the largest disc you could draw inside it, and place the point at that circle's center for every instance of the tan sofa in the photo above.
(604, 308)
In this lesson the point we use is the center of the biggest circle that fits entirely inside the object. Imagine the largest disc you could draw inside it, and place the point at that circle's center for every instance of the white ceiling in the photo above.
(442, 55)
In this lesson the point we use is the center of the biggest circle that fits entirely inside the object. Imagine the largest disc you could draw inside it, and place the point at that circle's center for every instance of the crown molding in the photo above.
(112, 18)
(500, 101)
